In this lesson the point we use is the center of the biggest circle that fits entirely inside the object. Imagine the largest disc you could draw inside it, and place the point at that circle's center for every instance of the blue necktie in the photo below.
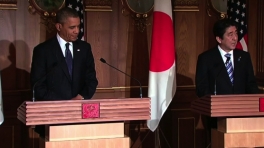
(229, 68)
(68, 58)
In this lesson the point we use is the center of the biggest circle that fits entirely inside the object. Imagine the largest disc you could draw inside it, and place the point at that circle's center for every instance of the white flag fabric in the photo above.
(162, 77)
(1, 104)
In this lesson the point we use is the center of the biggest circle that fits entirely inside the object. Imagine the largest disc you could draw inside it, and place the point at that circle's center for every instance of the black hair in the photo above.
(221, 25)
(65, 13)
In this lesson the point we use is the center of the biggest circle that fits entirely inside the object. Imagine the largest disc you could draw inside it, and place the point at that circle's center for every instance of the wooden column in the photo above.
(108, 135)
(238, 132)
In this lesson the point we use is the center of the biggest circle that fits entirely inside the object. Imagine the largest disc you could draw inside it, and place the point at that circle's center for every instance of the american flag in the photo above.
(78, 6)
(237, 11)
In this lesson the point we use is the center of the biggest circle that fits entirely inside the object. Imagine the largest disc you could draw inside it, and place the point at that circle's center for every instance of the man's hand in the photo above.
(78, 97)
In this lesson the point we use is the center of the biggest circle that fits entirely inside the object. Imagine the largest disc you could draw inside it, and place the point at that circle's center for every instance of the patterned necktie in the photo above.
(229, 67)
(68, 58)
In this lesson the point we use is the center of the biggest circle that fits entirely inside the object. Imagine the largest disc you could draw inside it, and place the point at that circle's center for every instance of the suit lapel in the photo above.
(237, 66)
(219, 62)
(77, 58)
(60, 58)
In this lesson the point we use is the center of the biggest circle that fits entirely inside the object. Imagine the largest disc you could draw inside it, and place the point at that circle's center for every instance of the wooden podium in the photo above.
(84, 123)
(240, 119)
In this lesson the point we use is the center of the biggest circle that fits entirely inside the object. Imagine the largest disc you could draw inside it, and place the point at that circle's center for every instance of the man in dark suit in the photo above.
(224, 69)
(211, 73)
(63, 67)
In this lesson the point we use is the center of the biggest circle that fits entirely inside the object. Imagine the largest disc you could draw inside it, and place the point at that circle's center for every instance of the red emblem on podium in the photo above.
(90, 110)
(261, 104)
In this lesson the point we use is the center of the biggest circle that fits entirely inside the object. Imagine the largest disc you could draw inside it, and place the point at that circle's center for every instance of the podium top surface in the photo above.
(71, 111)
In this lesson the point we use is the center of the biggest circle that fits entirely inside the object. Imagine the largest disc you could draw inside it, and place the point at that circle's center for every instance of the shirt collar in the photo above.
(222, 52)
(62, 41)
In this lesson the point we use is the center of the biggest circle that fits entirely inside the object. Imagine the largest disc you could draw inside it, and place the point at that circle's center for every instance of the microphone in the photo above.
(227, 60)
(140, 89)
(40, 79)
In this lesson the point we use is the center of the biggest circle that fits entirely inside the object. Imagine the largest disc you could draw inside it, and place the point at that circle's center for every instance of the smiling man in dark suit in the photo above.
(63, 67)
(224, 69)
(212, 76)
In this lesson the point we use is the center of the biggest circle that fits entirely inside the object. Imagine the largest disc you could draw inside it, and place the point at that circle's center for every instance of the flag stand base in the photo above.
(157, 138)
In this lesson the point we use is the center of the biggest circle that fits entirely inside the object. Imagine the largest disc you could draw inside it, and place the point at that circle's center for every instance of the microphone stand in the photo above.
(140, 88)
(215, 88)
(227, 60)
(40, 79)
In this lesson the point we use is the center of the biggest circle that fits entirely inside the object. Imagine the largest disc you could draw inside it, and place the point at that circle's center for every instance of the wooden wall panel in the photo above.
(98, 35)
(186, 43)
(27, 35)
(118, 39)
(210, 17)
(256, 33)
(187, 27)
(183, 121)
(253, 30)
(107, 32)
(8, 4)
(6, 38)
(19, 34)
(114, 37)
(8, 139)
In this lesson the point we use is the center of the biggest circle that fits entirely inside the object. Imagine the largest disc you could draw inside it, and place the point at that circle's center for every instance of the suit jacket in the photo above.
(211, 74)
(50, 78)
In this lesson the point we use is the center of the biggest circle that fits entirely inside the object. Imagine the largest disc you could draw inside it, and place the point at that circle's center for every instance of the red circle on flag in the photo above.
(162, 54)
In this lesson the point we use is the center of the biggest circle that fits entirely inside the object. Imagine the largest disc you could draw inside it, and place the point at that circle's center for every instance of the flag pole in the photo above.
(157, 138)
(157, 132)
